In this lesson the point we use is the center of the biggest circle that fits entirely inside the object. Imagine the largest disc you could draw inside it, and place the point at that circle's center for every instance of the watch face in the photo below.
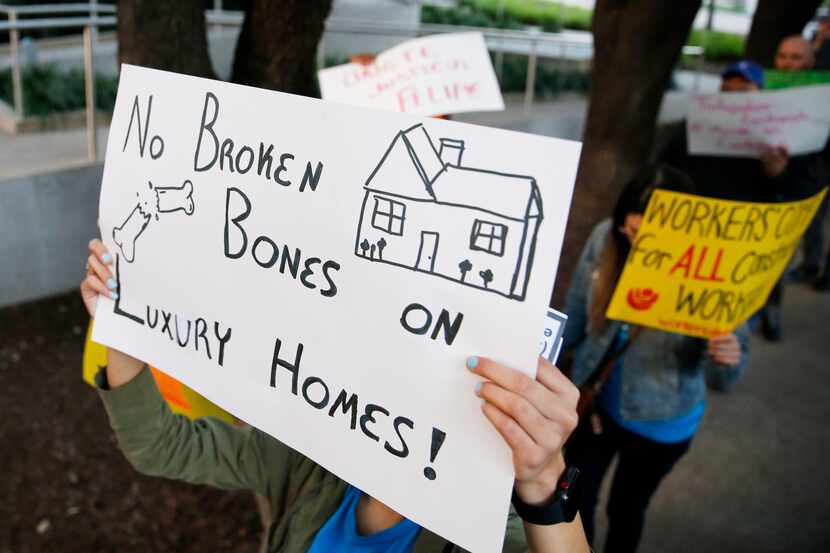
(570, 493)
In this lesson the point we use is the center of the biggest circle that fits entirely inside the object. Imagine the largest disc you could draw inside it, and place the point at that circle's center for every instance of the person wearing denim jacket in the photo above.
(665, 374)
(651, 405)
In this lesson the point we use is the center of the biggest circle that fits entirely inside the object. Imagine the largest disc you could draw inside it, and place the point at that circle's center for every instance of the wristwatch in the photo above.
(561, 508)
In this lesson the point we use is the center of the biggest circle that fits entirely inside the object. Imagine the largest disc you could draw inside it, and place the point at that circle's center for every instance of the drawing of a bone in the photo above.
(168, 199)
(171, 198)
(126, 235)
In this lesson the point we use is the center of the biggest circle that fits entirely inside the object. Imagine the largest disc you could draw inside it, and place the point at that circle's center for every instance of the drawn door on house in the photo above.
(427, 251)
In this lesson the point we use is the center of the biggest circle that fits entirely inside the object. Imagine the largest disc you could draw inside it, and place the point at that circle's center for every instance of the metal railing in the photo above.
(533, 43)
(538, 44)
(89, 25)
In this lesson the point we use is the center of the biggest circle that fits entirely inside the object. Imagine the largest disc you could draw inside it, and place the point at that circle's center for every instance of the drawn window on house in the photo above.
(488, 237)
(389, 216)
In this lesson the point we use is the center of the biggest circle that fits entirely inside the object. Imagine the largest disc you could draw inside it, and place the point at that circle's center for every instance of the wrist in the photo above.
(540, 489)
(121, 368)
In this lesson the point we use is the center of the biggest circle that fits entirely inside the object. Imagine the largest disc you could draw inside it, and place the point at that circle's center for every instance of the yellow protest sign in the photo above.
(701, 266)
(179, 397)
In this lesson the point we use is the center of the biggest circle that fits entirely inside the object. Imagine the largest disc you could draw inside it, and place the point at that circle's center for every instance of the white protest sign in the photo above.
(735, 124)
(433, 75)
(323, 271)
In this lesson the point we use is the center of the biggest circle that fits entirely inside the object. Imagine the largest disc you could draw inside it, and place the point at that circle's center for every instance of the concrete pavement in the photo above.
(43, 152)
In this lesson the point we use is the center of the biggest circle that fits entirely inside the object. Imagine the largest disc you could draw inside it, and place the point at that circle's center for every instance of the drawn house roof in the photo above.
(413, 168)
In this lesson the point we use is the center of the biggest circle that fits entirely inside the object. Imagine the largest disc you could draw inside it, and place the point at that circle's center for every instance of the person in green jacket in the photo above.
(311, 509)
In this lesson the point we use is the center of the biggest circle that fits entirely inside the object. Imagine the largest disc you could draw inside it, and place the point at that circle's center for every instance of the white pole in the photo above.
(89, 85)
(530, 83)
(17, 81)
(217, 9)
(321, 54)
(93, 14)
(500, 53)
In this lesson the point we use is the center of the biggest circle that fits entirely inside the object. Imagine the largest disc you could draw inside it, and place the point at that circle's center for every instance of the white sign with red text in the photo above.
(734, 124)
(433, 75)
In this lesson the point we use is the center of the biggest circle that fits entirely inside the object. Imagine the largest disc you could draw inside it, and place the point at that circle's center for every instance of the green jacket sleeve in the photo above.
(201, 451)
(515, 540)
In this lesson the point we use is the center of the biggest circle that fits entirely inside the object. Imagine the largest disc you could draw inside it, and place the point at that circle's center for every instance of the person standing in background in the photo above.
(652, 383)
(740, 179)
(804, 175)
(821, 43)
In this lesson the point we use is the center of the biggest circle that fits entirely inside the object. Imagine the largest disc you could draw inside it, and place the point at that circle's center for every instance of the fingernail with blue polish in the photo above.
(472, 362)
(478, 388)
(107, 258)
(111, 284)
(114, 295)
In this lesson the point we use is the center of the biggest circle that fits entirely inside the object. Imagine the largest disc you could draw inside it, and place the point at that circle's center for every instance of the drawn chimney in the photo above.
(451, 151)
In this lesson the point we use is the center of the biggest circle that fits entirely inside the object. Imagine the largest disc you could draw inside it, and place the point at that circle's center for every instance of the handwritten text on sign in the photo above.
(432, 75)
(701, 266)
(743, 124)
(322, 271)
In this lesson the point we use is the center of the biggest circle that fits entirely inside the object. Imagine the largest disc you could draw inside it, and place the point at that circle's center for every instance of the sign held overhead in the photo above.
(433, 75)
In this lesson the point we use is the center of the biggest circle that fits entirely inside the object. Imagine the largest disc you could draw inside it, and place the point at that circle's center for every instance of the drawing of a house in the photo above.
(425, 211)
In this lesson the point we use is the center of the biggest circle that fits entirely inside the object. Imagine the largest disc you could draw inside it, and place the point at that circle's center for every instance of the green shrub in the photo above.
(550, 16)
(465, 16)
(719, 46)
(517, 14)
(551, 78)
(47, 89)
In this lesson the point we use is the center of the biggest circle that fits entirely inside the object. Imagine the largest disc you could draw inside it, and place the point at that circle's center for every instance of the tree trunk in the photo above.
(774, 20)
(164, 35)
(278, 45)
(636, 45)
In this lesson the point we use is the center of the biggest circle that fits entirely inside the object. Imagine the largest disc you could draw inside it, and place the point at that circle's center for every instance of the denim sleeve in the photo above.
(576, 302)
(724, 377)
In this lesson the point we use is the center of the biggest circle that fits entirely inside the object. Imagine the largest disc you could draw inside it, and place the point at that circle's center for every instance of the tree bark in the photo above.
(774, 20)
(636, 44)
(164, 35)
(277, 46)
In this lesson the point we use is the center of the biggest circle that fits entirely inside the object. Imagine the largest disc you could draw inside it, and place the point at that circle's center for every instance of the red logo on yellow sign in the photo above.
(642, 299)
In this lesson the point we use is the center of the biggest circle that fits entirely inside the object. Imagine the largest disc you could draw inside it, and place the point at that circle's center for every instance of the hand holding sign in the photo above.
(724, 350)
(774, 160)
(98, 279)
(535, 418)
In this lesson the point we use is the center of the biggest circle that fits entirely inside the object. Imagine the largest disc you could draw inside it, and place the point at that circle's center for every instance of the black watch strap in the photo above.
(561, 508)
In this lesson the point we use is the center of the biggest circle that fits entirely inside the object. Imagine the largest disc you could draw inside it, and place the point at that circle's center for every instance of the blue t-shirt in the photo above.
(339, 533)
(669, 431)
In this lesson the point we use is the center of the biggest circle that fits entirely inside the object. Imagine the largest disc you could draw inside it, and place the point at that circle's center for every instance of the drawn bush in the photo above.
(364, 246)
(486, 276)
(465, 267)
